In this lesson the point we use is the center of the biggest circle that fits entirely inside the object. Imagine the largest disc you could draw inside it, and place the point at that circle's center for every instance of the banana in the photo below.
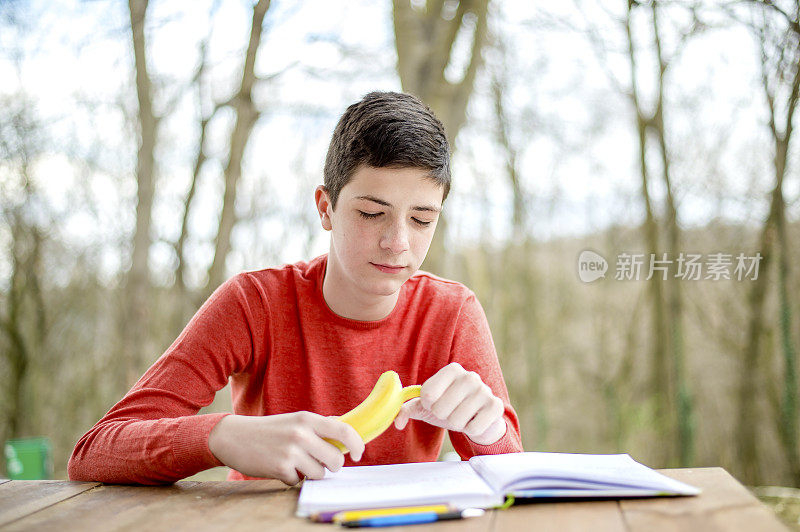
(378, 410)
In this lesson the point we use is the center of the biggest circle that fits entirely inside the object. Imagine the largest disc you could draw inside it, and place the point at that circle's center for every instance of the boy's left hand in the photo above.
(457, 399)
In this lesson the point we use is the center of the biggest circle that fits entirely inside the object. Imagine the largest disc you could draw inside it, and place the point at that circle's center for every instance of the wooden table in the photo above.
(269, 505)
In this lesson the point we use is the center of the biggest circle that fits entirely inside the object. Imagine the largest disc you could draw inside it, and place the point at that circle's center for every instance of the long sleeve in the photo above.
(473, 348)
(153, 435)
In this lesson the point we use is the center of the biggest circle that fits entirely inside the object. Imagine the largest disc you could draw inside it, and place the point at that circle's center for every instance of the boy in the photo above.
(306, 342)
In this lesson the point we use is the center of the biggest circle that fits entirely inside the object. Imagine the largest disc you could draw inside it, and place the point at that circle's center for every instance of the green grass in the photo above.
(785, 502)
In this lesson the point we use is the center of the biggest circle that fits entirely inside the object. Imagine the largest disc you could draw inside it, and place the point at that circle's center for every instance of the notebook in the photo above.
(487, 481)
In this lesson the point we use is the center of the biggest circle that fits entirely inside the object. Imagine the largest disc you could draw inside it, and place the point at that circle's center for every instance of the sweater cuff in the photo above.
(190, 450)
(504, 445)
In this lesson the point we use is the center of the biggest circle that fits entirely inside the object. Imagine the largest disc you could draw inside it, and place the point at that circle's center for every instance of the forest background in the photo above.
(150, 150)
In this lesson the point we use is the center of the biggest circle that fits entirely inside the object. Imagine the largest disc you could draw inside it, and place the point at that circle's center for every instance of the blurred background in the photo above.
(150, 150)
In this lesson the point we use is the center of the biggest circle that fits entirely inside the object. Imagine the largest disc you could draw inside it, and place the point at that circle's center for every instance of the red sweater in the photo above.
(284, 350)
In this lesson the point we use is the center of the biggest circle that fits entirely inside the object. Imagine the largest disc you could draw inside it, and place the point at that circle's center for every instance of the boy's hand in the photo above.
(283, 446)
(457, 399)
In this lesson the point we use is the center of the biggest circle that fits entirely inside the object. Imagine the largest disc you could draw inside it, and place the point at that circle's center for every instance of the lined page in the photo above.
(359, 487)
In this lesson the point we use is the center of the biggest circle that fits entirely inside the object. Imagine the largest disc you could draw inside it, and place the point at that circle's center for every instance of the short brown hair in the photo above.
(387, 129)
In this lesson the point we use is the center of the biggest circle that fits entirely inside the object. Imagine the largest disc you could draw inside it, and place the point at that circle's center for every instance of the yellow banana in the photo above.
(378, 410)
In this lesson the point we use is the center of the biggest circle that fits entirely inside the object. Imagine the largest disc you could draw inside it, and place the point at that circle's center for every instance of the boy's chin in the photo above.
(387, 288)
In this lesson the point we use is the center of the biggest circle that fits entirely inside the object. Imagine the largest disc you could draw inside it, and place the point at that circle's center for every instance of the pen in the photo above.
(337, 516)
(411, 519)
(357, 515)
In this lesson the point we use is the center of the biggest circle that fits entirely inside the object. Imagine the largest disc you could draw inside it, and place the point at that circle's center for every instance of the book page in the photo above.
(360, 487)
(516, 471)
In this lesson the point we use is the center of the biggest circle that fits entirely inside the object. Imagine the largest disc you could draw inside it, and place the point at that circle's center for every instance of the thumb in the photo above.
(406, 413)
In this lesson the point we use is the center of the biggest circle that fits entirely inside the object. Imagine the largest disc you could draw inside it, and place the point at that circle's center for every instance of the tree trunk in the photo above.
(502, 134)
(773, 240)
(660, 374)
(684, 413)
(749, 418)
(137, 286)
(517, 285)
(789, 411)
(18, 353)
(184, 306)
(24, 320)
(424, 41)
(789, 406)
(246, 117)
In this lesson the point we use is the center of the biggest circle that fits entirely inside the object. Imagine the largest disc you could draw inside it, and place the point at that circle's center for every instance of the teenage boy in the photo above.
(306, 342)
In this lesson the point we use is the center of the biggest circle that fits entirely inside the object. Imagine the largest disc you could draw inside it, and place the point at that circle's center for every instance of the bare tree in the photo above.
(778, 36)
(183, 303)
(137, 287)
(673, 403)
(516, 283)
(246, 117)
(660, 368)
(499, 87)
(684, 408)
(425, 38)
(23, 317)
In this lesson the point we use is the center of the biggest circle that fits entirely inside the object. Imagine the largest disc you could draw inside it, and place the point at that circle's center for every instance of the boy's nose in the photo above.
(396, 238)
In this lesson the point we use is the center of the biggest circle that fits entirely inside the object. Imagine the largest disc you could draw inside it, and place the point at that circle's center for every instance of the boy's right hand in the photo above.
(283, 446)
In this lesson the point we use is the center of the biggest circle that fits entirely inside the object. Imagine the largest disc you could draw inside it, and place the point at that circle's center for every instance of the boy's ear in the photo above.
(323, 201)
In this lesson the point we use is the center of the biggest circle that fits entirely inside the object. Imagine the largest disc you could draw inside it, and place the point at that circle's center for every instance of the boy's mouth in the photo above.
(388, 268)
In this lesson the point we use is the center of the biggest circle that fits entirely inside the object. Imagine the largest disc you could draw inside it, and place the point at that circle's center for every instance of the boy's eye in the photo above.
(371, 215)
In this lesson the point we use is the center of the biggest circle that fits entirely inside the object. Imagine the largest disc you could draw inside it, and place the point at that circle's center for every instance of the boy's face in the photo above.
(381, 229)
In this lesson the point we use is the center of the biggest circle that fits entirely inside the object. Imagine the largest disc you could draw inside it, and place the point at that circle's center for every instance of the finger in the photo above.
(435, 386)
(495, 432)
(325, 453)
(465, 411)
(419, 412)
(466, 385)
(289, 476)
(309, 466)
(487, 415)
(402, 417)
(410, 410)
(332, 427)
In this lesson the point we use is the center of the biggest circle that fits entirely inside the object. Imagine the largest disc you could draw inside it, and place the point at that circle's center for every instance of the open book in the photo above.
(486, 482)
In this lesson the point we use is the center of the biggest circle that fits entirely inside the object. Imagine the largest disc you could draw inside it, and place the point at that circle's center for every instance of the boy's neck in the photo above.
(355, 306)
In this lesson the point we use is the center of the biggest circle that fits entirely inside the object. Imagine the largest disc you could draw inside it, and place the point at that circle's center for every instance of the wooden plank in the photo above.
(19, 498)
(724, 505)
(185, 505)
(251, 505)
(600, 516)
(268, 504)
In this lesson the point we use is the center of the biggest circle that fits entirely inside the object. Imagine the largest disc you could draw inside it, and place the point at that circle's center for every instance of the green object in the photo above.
(29, 459)
(509, 501)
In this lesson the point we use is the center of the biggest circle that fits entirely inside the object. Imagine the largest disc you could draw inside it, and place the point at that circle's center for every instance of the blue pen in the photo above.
(411, 519)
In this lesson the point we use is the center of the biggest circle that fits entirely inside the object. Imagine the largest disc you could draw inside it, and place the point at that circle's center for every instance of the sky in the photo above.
(572, 128)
